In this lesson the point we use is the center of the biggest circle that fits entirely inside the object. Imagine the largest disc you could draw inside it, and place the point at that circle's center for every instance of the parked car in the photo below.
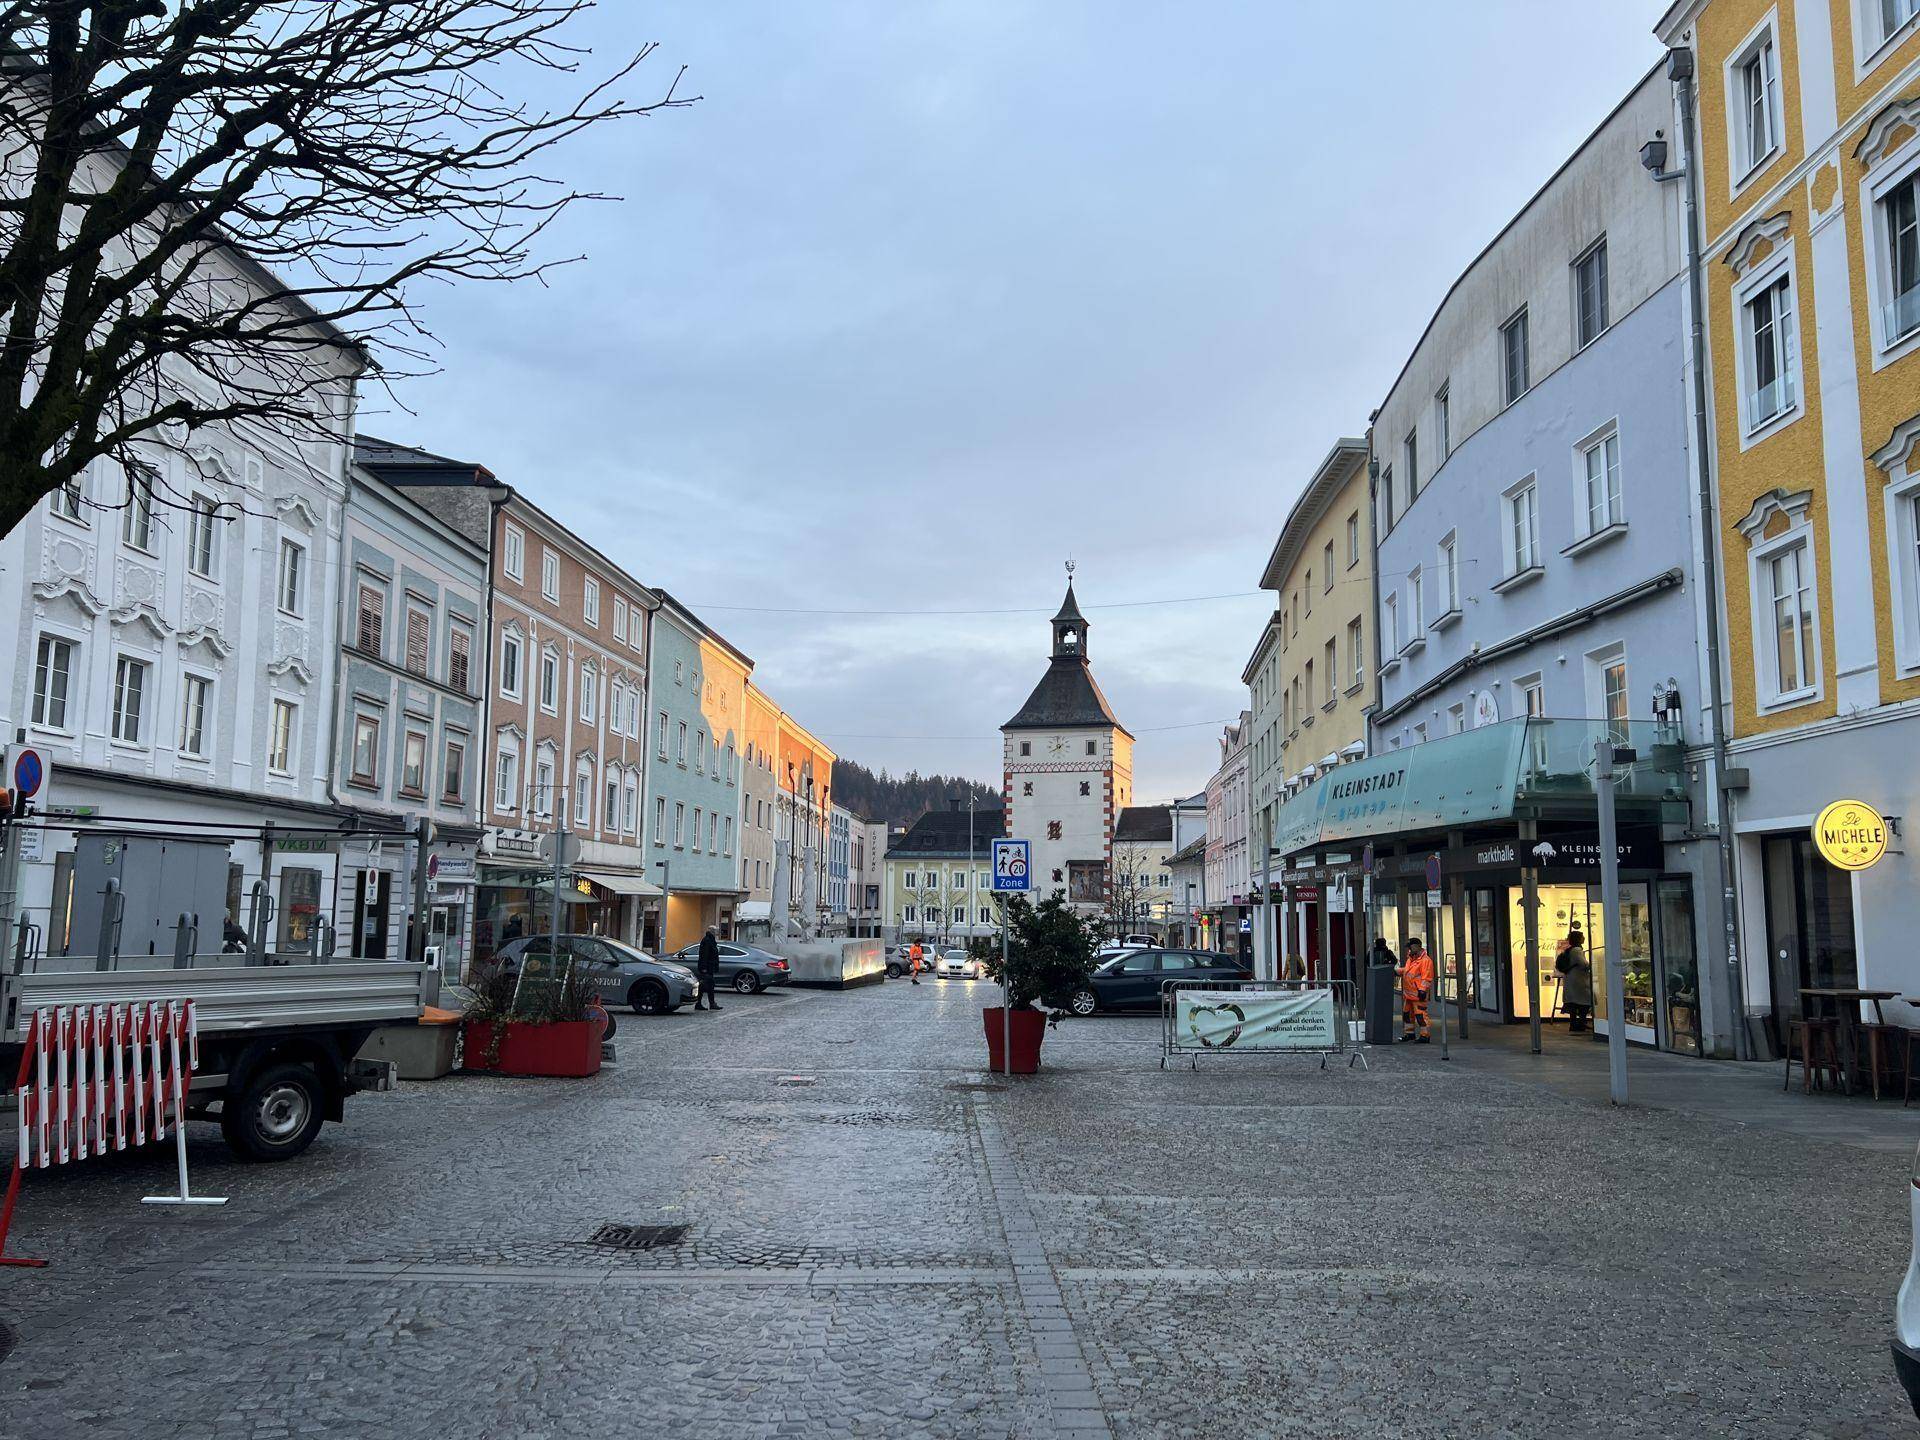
(1906, 1305)
(956, 964)
(1116, 947)
(746, 968)
(1132, 981)
(620, 974)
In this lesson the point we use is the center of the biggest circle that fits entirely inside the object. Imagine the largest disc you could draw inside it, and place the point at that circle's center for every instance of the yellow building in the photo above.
(1310, 679)
(1807, 142)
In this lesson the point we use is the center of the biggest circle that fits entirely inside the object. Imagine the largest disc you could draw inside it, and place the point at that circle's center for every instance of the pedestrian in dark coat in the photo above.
(708, 970)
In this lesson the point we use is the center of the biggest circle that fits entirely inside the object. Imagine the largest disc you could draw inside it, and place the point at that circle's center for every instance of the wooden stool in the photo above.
(1913, 1041)
(1819, 1039)
(1884, 1046)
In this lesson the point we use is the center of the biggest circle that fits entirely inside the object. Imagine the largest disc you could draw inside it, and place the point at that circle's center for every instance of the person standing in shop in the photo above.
(1576, 987)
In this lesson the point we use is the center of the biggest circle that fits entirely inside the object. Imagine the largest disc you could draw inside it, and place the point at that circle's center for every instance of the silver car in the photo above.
(621, 975)
(746, 968)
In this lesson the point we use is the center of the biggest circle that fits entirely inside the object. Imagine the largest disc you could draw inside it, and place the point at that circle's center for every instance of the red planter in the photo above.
(1029, 1029)
(566, 1047)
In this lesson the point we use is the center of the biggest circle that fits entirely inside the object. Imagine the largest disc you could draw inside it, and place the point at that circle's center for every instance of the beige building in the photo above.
(1310, 678)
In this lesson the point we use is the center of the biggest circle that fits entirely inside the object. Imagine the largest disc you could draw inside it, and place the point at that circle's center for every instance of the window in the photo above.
(610, 812)
(1893, 16)
(510, 665)
(1456, 718)
(459, 653)
(583, 799)
(1391, 603)
(729, 762)
(1416, 605)
(293, 579)
(413, 765)
(590, 601)
(417, 629)
(1443, 422)
(1523, 527)
(700, 752)
(1306, 678)
(280, 738)
(587, 685)
(1590, 294)
(506, 776)
(1354, 651)
(679, 825)
(663, 735)
(713, 830)
(1533, 697)
(1613, 699)
(513, 553)
(1898, 217)
(1410, 463)
(680, 744)
(193, 714)
(1786, 589)
(549, 681)
(1756, 118)
(453, 771)
(630, 808)
(202, 512)
(136, 521)
(1420, 733)
(1772, 352)
(1353, 539)
(1326, 571)
(69, 501)
(365, 768)
(1329, 670)
(1386, 500)
(52, 682)
(729, 835)
(1449, 575)
(619, 618)
(1600, 474)
(129, 699)
(1092, 748)
(659, 820)
(370, 612)
(543, 796)
(1513, 350)
(549, 574)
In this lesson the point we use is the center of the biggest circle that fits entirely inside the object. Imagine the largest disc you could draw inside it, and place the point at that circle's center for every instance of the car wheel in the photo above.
(894, 972)
(1083, 1002)
(746, 982)
(611, 1027)
(647, 997)
(276, 1116)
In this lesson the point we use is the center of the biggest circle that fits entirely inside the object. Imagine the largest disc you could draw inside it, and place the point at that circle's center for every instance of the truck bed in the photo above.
(235, 997)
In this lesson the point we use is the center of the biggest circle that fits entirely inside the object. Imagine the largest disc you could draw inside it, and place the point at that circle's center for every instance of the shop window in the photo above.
(1810, 938)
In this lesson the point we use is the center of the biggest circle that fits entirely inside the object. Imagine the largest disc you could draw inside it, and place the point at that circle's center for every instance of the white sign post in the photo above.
(1012, 875)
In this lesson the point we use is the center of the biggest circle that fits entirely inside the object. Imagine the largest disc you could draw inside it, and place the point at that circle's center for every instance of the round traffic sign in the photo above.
(1433, 872)
(28, 772)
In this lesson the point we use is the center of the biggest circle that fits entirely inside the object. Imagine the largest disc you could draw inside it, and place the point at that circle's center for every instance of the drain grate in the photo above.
(867, 1117)
(638, 1237)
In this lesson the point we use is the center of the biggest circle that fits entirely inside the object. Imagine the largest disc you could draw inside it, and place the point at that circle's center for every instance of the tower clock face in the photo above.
(1057, 745)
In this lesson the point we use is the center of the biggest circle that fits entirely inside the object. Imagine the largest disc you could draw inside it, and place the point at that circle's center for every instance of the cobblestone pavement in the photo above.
(906, 1246)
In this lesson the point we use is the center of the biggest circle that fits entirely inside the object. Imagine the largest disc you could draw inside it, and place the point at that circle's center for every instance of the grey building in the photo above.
(411, 715)
(1536, 543)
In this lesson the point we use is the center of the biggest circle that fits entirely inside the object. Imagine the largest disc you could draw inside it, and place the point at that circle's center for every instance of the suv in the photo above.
(620, 974)
(1133, 980)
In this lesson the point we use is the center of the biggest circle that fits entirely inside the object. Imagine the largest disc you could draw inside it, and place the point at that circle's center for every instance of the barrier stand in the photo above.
(1259, 1017)
(177, 1024)
(29, 1119)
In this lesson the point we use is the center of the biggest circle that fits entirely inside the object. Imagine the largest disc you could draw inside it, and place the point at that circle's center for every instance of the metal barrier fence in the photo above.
(1261, 1017)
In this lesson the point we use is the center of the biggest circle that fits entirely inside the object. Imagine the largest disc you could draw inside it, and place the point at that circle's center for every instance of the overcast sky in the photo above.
(926, 296)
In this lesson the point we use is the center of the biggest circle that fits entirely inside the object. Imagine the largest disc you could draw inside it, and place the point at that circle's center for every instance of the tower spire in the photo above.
(1070, 626)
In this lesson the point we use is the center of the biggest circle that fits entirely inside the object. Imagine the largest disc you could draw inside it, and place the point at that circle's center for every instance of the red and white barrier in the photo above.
(132, 1061)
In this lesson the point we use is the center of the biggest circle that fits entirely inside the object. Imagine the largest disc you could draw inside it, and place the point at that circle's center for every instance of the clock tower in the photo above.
(1068, 769)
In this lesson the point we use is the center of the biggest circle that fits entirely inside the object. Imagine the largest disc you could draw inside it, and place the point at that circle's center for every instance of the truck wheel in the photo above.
(277, 1116)
(647, 997)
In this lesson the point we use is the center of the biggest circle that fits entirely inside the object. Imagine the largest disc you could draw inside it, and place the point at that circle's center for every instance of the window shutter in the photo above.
(417, 641)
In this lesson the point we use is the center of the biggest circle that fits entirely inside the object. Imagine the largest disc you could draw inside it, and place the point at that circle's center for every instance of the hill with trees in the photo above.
(902, 799)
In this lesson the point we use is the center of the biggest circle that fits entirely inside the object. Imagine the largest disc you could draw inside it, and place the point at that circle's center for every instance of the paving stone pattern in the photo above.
(910, 1247)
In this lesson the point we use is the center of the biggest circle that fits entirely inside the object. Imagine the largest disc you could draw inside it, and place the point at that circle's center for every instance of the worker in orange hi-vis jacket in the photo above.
(1416, 991)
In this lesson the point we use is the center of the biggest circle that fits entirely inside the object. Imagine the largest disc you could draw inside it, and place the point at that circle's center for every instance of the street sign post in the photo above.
(1012, 875)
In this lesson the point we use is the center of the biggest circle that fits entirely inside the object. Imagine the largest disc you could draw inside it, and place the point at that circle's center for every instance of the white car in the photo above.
(1115, 948)
(956, 964)
(1906, 1306)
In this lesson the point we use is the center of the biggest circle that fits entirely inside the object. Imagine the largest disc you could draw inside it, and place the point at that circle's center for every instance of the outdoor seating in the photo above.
(1817, 1039)
(1885, 1050)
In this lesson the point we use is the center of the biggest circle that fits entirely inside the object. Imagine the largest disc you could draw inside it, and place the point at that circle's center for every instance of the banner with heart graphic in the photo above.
(1255, 1019)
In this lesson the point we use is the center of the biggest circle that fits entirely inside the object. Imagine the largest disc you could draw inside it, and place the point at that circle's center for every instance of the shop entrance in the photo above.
(1650, 988)
(370, 889)
(1810, 940)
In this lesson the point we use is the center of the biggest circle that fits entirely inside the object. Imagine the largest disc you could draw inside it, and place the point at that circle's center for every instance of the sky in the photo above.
(925, 297)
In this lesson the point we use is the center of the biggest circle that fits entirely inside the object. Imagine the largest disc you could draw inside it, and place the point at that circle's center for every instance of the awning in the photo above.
(620, 884)
(753, 910)
(1529, 766)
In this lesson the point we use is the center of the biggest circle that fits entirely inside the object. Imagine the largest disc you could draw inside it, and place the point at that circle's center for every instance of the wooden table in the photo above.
(1845, 1001)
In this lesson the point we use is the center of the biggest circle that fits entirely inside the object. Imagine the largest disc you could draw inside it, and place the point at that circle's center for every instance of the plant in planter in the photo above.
(1050, 951)
(534, 1020)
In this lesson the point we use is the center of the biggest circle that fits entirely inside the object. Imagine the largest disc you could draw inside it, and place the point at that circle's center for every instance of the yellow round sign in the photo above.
(1850, 834)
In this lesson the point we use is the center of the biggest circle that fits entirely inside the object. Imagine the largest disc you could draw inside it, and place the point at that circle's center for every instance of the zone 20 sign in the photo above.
(1012, 865)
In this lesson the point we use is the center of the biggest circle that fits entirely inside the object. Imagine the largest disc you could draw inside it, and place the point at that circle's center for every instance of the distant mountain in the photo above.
(900, 800)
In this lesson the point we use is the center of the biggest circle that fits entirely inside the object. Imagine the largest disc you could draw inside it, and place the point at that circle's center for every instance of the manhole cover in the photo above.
(866, 1117)
(638, 1237)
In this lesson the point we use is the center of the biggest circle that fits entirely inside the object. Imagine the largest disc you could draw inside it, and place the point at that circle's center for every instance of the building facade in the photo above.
(1806, 153)
(1067, 768)
(759, 815)
(938, 887)
(841, 825)
(803, 779)
(868, 877)
(1311, 682)
(1228, 877)
(410, 716)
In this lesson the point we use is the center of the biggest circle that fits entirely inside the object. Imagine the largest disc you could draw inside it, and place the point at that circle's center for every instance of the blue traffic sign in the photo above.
(28, 773)
(1012, 865)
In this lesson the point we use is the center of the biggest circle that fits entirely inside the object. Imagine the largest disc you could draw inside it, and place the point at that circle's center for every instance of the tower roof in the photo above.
(1069, 609)
(1066, 696)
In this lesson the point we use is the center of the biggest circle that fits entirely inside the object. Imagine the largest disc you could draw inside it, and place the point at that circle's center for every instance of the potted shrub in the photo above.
(531, 1021)
(1050, 950)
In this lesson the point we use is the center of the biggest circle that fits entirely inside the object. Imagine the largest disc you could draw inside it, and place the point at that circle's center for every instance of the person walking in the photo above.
(1416, 991)
(1576, 986)
(707, 968)
(913, 962)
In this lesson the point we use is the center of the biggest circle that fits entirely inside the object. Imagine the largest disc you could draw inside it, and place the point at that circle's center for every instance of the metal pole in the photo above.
(559, 864)
(1266, 890)
(666, 892)
(423, 836)
(1530, 913)
(1710, 576)
(1610, 902)
(1460, 970)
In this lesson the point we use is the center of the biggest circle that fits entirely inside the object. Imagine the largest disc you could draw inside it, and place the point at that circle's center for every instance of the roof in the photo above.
(1330, 477)
(942, 834)
(1069, 608)
(1190, 853)
(1066, 696)
(386, 458)
(1141, 823)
